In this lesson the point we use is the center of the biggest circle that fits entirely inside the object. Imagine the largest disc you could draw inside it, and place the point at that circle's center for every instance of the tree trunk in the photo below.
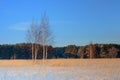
(36, 51)
(43, 52)
(32, 51)
(46, 51)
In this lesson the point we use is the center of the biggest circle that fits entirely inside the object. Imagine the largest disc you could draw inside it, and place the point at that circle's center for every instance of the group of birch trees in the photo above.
(39, 34)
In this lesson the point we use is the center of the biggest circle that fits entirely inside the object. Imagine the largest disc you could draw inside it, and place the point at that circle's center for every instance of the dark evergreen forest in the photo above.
(23, 51)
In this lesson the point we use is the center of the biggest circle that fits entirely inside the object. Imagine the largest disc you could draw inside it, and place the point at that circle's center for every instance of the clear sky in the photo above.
(76, 22)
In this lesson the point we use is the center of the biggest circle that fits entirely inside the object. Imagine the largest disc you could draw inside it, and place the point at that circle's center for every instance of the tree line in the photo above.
(23, 51)
(93, 51)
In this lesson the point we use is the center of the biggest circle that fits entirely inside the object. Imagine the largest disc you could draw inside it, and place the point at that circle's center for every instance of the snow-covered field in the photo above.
(61, 69)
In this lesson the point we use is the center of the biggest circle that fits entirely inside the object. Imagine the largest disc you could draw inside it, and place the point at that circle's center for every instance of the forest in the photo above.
(24, 51)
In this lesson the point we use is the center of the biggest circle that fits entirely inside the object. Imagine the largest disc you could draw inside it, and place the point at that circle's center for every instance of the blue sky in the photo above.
(76, 22)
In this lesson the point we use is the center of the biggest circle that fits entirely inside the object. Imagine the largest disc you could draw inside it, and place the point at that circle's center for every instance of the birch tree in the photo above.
(46, 37)
(40, 35)
(32, 37)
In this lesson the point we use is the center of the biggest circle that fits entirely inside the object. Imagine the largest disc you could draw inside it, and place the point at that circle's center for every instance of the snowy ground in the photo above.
(81, 70)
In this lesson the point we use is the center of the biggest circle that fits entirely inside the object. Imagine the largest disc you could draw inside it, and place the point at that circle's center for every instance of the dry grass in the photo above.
(63, 63)
(61, 69)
